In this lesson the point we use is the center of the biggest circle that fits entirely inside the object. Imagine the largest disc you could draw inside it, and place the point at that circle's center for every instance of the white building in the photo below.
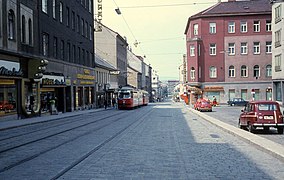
(278, 50)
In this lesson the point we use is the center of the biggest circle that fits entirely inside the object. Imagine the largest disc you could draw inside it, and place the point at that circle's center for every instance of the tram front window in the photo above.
(124, 95)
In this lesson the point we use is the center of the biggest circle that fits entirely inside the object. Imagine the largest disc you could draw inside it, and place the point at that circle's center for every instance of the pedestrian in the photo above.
(105, 103)
(113, 101)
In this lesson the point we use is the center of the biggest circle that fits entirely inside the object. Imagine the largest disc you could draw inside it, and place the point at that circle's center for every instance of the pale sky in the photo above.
(158, 26)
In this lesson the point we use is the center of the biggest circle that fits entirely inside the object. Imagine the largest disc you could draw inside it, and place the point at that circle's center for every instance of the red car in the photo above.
(203, 105)
(263, 114)
(5, 105)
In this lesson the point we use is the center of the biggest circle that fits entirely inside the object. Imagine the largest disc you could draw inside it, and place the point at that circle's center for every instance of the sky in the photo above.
(158, 28)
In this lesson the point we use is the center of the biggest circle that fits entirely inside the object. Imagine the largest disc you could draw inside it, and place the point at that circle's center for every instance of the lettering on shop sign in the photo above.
(13, 72)
(47, 81)
(99, 16)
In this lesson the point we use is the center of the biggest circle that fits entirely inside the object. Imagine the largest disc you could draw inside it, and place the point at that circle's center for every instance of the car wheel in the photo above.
(251, 128)
(280, 130)
(239, 125)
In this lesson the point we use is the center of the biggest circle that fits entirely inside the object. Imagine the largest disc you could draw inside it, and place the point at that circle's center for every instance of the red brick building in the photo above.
(229, 50)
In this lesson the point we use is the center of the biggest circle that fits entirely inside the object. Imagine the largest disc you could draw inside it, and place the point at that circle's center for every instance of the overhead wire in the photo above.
(136, 41)
(168, 5)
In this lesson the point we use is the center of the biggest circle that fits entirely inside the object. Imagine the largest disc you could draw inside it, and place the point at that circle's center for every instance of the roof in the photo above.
(234, 8)
(99, 62)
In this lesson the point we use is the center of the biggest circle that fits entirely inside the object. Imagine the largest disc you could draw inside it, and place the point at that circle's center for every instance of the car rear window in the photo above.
(267, 107)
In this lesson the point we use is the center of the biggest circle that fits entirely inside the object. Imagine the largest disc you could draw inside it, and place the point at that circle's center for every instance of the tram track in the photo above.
(33, 156)
(33, 133)
(38, 126)
(101, 145)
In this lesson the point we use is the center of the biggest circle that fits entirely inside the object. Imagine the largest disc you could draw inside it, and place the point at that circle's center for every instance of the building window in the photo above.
(278, 63)
(213, 72)
(62, 49)
(212, 49)
(231, 71)
(256, 70)
(44, 6)
(11, 25)
(30, 32)
(23, 29)
(212, 28)
(83, 57)
(256, 48)
(278, 38)
(74, 53)
(73, 20)
(68, 52)
(268, 70)
(278, 13)
(82, 27)
(244, 26)
(278, 91)
(244, 71)
(268, 47)
(86, 29)
(244, 48)
(192, 73)
(195, 29)
(91, 33)
(192, 50)
(256, 26)
(45, 44)
(231, 27)
(231, 49)
(78, 24)
(67, 17)
(90, 6)
(79, 55)
(54, 9)
(55, 47)
(61, 12)
(268, 25)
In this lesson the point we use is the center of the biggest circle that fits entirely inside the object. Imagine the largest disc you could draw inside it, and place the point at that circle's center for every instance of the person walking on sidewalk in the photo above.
(105, 103)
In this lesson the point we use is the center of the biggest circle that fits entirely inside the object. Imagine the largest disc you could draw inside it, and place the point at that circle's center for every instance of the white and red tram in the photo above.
(130, 98)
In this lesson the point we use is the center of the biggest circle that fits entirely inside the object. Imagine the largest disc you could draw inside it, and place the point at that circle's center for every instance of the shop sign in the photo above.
(213, 88)
(114, 72)
(99, 16)
(8, 68)
(86, 78)
(52, 80)
(7, 82)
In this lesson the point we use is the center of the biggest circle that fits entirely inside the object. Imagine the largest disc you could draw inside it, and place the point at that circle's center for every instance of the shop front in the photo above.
(194, 93)
(10, 80)
(52, 92)
(213, 92)
(84, 90)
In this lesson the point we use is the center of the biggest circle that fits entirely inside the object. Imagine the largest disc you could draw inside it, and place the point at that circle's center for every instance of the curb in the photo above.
(275, 149)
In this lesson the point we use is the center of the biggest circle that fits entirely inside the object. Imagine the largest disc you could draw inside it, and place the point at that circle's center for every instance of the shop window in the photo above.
(8, 97)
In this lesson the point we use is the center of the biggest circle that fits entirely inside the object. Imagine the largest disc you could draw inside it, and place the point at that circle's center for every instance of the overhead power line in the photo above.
(168, 5)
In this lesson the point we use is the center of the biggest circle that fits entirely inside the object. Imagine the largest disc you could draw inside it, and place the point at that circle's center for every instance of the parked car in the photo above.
(237, 102)
(203, 105)
(5, 105)
(263, 114)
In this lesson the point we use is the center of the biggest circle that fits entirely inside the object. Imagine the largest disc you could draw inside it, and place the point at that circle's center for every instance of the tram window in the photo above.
(124, 95)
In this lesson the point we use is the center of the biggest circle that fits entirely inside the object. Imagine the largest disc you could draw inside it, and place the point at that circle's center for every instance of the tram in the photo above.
(130, 98)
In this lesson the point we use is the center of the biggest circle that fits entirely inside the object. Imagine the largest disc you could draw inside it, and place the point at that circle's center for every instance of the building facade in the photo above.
(67, 42)
(278, 50)
(110, 46)
(46, 56)
(229, 50)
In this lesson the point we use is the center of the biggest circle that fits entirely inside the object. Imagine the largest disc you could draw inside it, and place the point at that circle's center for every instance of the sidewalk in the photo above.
(7, 124)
